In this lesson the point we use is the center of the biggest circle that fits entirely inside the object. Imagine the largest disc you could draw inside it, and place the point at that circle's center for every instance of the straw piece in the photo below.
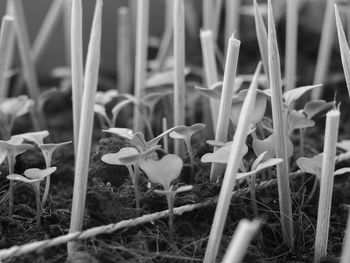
(141, 58)
(226, 101)
(291, 44)
(67, 24)
(232, 19)
(211, 71)
(124, 64)
(344, 48)
(324, 51)
(326, 187)
(6, 40)
(86, 124)
(234, 162)
(279, 130)
(261, 33)
(217, 19)
(207, 6)
(77, 65)
(240, 242)
(179, 65)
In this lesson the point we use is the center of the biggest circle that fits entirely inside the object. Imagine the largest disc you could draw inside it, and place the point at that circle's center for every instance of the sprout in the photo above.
(130, 157)
(10, 109)
(33, 177)
(221, 155)
(164, 172)
(185, 133)
(47, 150)
(10, 149)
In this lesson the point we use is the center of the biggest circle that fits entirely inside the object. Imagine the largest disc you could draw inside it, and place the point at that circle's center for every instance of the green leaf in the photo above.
(221, 155)
(21, 178)
(311, 165)
(261, 166)
(316, 107)
(298, 120)
(342, 171)
(260, 146)
(121, 132)
(295, 94)
(114, 158)
(214, 92)
(183, 132)
(35, 137)
(344, 145)
(163, 171)
(104, 97)
(39, 174)
(155, 141)
(184, 188)
(163, 78)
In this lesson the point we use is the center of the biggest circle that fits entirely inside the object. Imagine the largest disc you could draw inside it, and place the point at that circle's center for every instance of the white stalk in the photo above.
(232, 18)
(86, 125)
(234, 162)
(240, 242)
(226, 100)
(279, 130)
(326, 187)
(291, 44)
(124, 64)
(141, 58)
(324, 51)
(6, 37)
(179, 65)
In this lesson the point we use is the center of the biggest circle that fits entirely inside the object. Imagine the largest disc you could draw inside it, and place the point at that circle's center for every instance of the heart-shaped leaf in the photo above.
(39, 174)
(211, 93)
(17, 106)
(35, 137)
(317, 107)
(183, 132)
(163, 78)
(294, 94)
(311, 165)
(260, 146)
(261, 166)
(104, 97)
(221, 155)
(114, 158)
(298, 120)
(163, 171)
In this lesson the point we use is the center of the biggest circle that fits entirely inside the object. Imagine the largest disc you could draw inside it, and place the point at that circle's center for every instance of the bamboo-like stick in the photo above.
(124, 64)
(344, 48)
(165, 44)
(217, 19)
(324, 51)
(86, 124)
(291, 44)
(47, 28)
(234, 162)
(26, 55)
(326, 187)
(141, 58)
(207, 9)
(345, 256)
(232, 19)
(279, 129)
(179, 65)
(211, 71)
(77, 65)
(67, 24)
(226, 101)
(261, 33)
(240, 242)
(6, 37)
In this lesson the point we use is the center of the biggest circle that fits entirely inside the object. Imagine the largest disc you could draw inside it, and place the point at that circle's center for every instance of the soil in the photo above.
(110, 196)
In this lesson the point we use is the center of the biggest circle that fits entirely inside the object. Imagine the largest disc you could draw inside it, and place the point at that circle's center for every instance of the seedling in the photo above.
(10, 149)
(185, 133)
(130, 157)
(33, 177)
(10, 109)
(164, 172)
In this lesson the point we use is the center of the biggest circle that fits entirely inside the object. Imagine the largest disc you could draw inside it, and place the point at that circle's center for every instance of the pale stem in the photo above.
(279, 126)
(326, 187)
(345, 256)
(165, 138)
(11, 161)
(86, 126)
(291, 44)
(190, 153)
(142, 28)
(179, 65)
(207, 9)
(216, 19)
(240, 242)
(234, 161)
(6, 40)
(48, 159)
(226, 101)
(38, 206)
(170, 200)
(67, 27)
(124, 64)
(232, 18)
(325, 48)
(211, 71)
(77, 65)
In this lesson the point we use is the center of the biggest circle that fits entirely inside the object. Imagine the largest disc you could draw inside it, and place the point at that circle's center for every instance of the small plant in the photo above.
(185, 133)
(164, 172)
(33, 177)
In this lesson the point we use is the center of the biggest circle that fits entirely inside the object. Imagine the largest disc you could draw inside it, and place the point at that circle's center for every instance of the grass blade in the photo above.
(228, 183)
(86, 124)
(279, 128)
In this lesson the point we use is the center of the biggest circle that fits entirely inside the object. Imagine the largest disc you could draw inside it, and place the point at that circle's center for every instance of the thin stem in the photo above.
(38, 205)
(165, 138)
(170, 200)
(190, 153)
(11, 161)
(136, 188)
